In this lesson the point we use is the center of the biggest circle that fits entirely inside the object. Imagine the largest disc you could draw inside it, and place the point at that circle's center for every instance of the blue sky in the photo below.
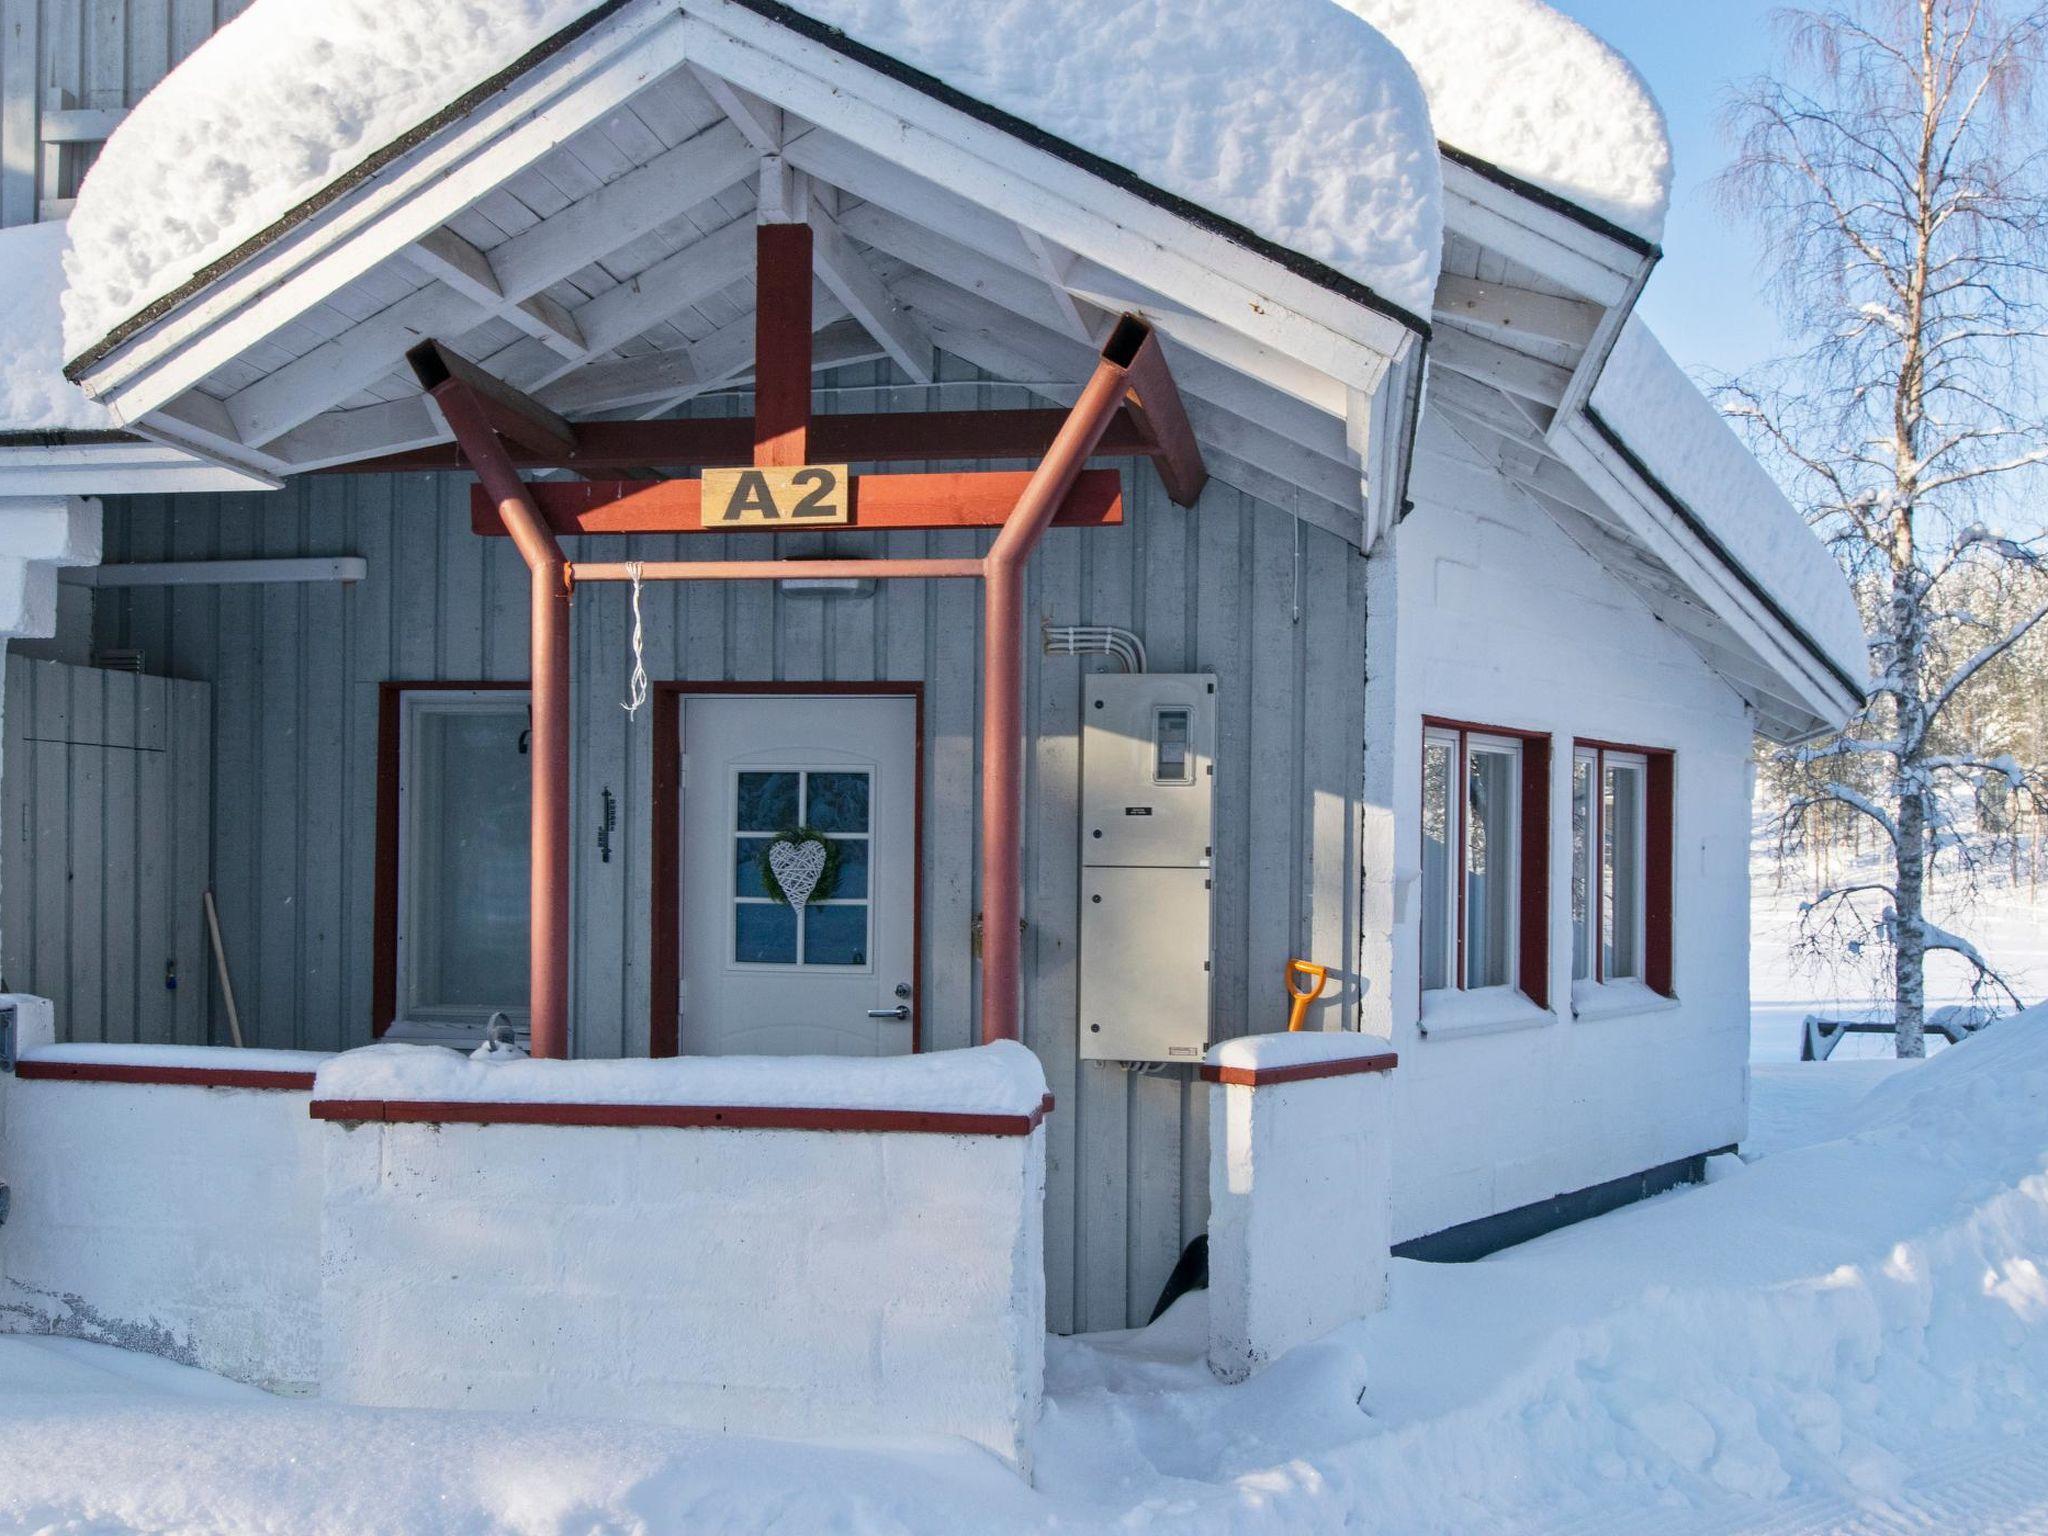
(1706, 298)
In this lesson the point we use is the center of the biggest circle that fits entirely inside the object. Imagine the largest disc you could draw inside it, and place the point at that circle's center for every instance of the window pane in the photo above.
(1436, 864)
(853, 867)
(836, 935)
(767, 802)
(746, 866)
(838, 802)
(1582, 868)
(1490, 868)
(467, 858)
(1621, 873)
(763, 933)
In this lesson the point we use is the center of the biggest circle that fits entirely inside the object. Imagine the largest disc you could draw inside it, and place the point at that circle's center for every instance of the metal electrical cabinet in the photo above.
(1148, 803)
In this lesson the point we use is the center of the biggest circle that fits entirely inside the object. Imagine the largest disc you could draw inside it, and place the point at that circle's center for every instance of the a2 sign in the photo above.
(793, 497)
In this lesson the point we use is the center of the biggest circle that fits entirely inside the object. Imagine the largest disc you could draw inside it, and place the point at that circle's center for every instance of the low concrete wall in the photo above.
(1300, 1191)
(774, 1269)
(170, 1217)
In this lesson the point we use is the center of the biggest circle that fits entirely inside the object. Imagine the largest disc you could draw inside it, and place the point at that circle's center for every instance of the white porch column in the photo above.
(1300, 1191)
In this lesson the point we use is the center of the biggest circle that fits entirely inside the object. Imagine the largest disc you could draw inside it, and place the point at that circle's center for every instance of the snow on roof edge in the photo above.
(1397, 275)
(36, 399)
(1647, 407)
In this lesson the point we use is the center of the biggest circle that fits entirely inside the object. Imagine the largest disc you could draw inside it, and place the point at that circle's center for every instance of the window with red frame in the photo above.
(1621, 864)
(1485, 859)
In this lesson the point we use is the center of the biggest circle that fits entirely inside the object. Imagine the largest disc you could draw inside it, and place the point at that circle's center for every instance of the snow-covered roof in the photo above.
(1535, 94)
(1661, 417)
(34, 394)
(1309, 128)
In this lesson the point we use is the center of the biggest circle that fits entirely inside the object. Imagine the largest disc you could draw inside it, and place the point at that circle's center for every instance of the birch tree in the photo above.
(1894, 168)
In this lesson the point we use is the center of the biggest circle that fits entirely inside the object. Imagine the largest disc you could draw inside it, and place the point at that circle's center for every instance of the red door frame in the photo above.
(665, 889)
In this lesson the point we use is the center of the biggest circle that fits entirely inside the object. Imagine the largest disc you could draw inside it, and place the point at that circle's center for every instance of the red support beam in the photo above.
(728, 442)
(982, 500)
(782, 344)
(1161, 412)
(469, 416)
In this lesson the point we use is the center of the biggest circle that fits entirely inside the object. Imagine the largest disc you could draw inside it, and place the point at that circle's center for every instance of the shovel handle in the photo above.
(1318, 975)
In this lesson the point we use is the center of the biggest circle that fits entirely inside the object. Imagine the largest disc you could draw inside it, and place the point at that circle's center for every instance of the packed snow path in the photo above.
(1849, 1335)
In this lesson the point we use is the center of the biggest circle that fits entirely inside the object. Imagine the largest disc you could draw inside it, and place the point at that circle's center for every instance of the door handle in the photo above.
(900, 1011)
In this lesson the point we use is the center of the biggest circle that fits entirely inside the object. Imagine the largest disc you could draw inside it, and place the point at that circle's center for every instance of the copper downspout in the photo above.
(1002, 677)
(548, 940)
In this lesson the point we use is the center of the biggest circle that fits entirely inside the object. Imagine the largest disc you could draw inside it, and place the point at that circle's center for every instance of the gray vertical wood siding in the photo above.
(94, 54)
(104, 850)
(1275, 608)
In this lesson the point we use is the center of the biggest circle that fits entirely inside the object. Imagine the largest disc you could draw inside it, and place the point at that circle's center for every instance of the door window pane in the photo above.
(1622, 871)
(764, 933)
(466, 831)
(836, 935)
(1582, 866)
(836, 802)
(767, 802)
(1437, 917)
(1490, 866)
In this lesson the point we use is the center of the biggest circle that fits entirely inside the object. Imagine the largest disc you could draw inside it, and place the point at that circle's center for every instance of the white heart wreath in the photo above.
(798, 867)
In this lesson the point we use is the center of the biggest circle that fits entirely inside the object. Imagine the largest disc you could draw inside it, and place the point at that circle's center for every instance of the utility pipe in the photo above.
(548, 579)
(1002, 685)
(769, 570)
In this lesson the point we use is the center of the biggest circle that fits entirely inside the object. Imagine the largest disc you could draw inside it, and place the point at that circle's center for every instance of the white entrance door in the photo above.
(760, 978)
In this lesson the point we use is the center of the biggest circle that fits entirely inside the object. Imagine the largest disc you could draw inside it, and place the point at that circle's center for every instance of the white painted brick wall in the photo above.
(179, 1221)
(771, 1282)
(1504, 620)
(1300, 1206)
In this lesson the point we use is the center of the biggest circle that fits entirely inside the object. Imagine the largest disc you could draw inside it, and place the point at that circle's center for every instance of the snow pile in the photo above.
(1297, 121)
(1667, 423)
(1297, 1048)
(999, 1079)
(274, 106)
(211, 1058)
(1539, 96)
(34, 394)
(1309, 128)
(1849, 1335)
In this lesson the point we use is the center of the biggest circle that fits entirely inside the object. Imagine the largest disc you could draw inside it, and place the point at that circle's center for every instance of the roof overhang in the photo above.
(110, 464)
(942, 225)
(1531, 306)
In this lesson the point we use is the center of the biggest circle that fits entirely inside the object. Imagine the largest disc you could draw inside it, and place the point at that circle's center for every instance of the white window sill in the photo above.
(1449, 1013)
(1617, 1000)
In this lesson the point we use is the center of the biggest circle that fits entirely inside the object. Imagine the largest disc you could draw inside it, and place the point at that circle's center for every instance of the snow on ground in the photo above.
(34, 394)
(2008, 920)
(1848, 1334)
(1530, 90)
(1310, 128)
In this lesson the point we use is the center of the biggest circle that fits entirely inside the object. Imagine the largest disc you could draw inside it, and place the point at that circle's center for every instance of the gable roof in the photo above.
(1320, 146)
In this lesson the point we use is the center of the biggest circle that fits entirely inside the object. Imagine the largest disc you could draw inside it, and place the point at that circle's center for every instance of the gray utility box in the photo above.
(1148, 820)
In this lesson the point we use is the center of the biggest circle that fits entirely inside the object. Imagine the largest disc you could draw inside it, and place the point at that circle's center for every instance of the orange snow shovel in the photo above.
(1318, 975)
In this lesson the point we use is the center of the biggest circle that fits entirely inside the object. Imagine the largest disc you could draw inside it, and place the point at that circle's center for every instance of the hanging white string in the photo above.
(636, 685)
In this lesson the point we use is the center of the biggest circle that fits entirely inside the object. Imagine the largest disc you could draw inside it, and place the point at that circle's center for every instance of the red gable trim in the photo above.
(730, 1117)
(1307, 1071)
(178, 1077)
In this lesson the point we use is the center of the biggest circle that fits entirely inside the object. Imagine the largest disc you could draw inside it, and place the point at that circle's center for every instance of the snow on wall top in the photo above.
(1536, 94)
(1308, 127)
(210, 1058)
(1668, 424)
(999, 1079)
(34, 394)
(1295, 1048)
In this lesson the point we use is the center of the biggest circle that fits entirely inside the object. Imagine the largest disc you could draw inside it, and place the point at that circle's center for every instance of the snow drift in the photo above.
(1539, 96)
(1309, 128)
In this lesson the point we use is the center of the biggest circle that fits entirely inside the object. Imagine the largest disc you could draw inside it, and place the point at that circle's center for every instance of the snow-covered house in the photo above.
(1092, 503)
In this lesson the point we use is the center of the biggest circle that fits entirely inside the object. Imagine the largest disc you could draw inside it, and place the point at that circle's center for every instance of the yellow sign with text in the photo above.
(797, 496)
